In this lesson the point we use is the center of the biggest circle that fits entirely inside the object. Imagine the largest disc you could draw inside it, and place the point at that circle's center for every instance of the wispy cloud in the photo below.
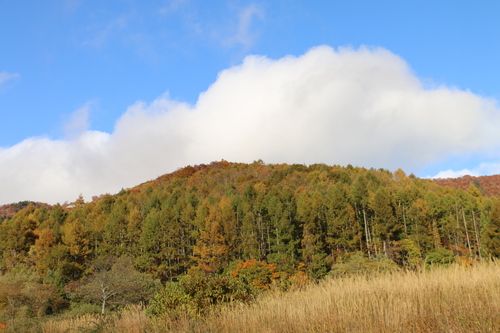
(71, 5)
(362, 107)
(122, 30)
(101, 36)
(172, 6)
(78, 122)
(5, 76)
(237, 29)
(245, 36)
(143, 46)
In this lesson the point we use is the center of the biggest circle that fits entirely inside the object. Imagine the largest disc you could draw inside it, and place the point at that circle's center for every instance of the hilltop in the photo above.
(10, 210)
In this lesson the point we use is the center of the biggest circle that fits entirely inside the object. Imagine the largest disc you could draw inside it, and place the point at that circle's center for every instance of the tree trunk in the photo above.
(367, 232)
(404, 221)
(478, 237)
(103, 309)
(466, 232)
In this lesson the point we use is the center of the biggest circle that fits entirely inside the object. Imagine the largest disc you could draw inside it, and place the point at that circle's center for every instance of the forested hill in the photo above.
(297, 219)
(488, 185)
(10, 210)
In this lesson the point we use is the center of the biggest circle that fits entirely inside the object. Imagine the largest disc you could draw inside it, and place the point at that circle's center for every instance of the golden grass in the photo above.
(454, 299)
(131, 319)
(70, 325)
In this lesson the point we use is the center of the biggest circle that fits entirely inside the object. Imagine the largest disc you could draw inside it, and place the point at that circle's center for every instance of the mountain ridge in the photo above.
(487, 185)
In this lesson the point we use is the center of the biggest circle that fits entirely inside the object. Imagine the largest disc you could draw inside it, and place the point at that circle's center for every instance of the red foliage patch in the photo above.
(488, 185)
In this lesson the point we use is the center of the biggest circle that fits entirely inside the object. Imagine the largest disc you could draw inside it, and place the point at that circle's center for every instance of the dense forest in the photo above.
(295, 222)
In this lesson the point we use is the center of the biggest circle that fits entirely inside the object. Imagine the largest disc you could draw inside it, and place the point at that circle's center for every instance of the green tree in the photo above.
(311, 214)
(384, 220)
(344, 233)
(282, 233)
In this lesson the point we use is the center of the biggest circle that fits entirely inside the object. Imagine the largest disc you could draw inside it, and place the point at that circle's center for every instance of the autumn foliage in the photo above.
(488, 185)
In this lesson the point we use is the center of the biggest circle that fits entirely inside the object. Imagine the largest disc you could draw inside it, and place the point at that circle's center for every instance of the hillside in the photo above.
(244, 229)
(488, 185)
(287, 215)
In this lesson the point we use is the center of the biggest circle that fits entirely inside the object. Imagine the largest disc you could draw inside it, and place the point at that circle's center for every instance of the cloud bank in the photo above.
(362, 107)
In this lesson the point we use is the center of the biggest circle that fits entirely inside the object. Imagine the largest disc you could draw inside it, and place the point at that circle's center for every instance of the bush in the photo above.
(359, 264)
(257, 274)
(439, 257)
(196, 293)
(82, 309)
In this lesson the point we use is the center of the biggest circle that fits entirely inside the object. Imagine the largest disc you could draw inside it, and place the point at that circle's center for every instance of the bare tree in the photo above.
(115, 281)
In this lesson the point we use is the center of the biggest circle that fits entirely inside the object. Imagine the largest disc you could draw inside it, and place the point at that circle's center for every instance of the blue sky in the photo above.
(96, 96)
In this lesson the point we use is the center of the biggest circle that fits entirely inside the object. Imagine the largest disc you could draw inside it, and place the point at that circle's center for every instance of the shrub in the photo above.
(359, 264)
(439, 257)
(257, 274)
(197, 292)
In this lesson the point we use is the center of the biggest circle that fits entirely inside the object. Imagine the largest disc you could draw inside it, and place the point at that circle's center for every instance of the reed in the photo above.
(455, 299)
(131, 319)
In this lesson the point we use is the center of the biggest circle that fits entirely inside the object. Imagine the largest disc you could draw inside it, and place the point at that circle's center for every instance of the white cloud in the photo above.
(480, 170)
(363, 107)
(54, 170)
(455, 174)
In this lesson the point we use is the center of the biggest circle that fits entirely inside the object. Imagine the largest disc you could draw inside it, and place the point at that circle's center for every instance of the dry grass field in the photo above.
(452, 299)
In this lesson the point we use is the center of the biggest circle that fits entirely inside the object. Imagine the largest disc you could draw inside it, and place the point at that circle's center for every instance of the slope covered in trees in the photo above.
(262, 224)
(10, 210)
(488, 185)
(287, 215)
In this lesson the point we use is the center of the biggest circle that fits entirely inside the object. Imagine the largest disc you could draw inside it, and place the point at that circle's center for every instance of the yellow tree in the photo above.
(74, 237)
(44, 243)
(215, 245)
